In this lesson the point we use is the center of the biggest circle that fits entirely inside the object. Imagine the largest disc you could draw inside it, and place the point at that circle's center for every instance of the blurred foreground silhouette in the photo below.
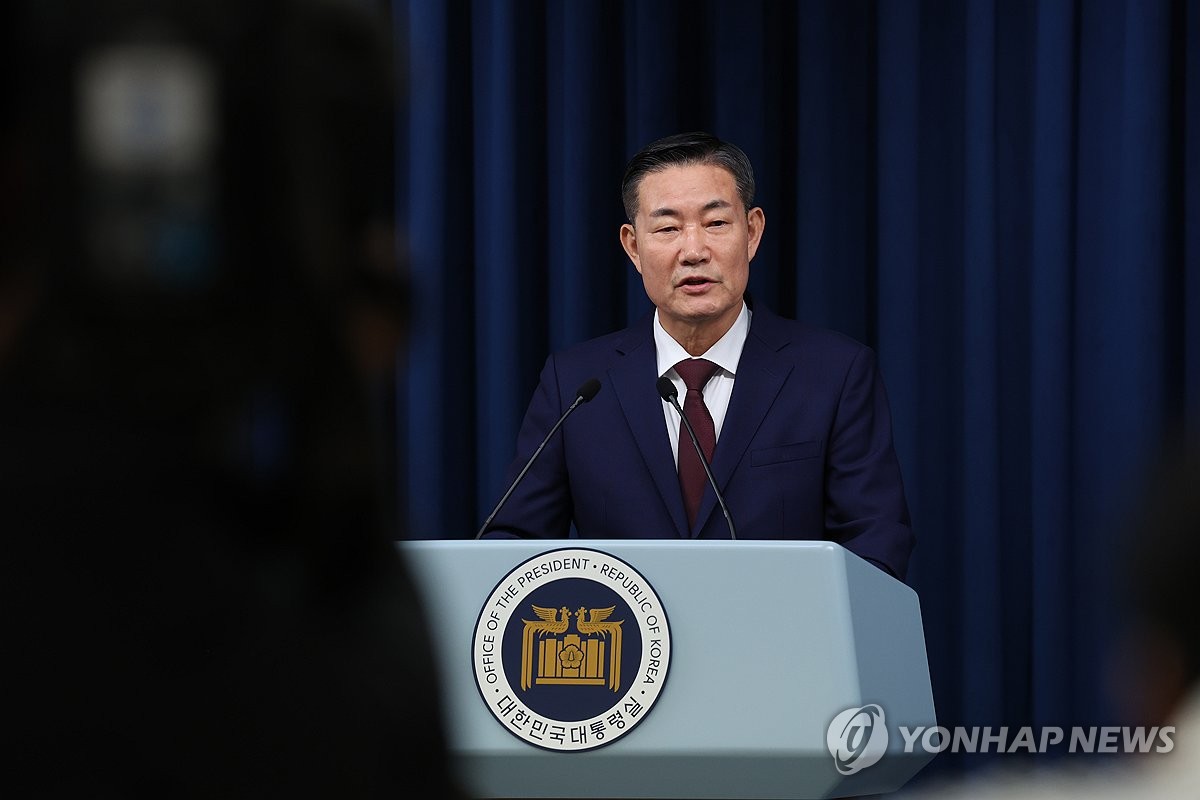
(1157, 679)
(197, 285)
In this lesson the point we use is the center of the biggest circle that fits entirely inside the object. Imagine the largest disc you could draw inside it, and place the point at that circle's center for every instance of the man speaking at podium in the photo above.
(793, 419)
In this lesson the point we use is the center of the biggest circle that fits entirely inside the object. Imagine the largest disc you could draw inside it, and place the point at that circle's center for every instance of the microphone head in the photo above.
(666, 389)
(588, 389)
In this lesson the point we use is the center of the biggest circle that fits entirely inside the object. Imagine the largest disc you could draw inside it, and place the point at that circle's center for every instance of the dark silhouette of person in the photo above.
(1158, 682)
(197, 291)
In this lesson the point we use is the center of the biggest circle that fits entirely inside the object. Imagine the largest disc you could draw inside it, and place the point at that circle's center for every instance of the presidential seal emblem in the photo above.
(571, 650)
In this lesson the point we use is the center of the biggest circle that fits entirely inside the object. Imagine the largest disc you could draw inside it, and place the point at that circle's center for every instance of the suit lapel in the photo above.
(632, 379)
(760, 377)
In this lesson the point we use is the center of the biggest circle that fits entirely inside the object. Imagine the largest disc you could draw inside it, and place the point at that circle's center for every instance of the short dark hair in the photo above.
(685, 149)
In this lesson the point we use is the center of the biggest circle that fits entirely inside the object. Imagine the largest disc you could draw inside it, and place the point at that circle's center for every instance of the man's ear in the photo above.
(756, 221)
(629, 243)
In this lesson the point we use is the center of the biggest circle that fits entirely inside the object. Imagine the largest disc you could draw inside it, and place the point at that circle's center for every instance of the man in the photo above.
(795, 418)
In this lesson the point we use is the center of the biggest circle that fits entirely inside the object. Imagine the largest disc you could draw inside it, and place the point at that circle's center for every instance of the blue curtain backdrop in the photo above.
(1001, 197)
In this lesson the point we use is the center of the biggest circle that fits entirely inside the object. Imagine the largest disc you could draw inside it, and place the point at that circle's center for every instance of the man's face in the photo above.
(692, 243)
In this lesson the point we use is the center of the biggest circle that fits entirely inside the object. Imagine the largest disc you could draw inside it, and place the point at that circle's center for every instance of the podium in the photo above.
(772, 644)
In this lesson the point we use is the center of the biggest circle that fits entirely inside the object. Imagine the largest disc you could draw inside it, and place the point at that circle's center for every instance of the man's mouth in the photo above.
(695, 282)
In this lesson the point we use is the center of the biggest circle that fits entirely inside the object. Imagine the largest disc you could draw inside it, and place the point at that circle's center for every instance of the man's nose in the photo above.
(695, 248)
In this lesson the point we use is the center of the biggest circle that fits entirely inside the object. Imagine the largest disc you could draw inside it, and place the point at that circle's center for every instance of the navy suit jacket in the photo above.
(805, 451)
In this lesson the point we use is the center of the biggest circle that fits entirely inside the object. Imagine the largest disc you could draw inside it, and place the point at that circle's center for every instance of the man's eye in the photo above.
(668, 229)
(718, 223)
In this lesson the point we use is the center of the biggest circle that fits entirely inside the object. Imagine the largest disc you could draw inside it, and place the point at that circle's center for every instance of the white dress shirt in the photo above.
(726, 354)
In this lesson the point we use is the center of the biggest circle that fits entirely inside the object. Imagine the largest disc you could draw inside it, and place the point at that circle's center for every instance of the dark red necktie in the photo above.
(695, 373)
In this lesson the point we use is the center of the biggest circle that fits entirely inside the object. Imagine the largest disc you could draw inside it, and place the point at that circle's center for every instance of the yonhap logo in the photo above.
(857, 738)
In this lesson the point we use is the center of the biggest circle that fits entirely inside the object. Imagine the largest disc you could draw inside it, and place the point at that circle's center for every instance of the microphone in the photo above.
(668, 392)
(583, 394)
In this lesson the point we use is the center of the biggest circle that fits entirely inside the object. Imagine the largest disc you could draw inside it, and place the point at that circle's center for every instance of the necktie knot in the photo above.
(695, 372)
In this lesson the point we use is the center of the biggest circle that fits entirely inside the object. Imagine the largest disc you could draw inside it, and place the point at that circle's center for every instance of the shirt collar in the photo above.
(725, 353)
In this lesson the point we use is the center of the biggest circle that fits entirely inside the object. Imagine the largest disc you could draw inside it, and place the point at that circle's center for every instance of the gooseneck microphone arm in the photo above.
(668, 392)
(583, 394)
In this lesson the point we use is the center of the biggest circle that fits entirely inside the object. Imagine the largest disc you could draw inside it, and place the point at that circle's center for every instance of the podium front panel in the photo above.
(769, 642)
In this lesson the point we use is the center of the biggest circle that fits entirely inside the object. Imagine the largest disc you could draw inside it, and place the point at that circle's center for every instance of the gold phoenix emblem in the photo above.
(574, 658)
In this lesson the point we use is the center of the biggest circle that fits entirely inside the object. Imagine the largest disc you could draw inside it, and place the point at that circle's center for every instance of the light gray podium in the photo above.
(770, 641)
